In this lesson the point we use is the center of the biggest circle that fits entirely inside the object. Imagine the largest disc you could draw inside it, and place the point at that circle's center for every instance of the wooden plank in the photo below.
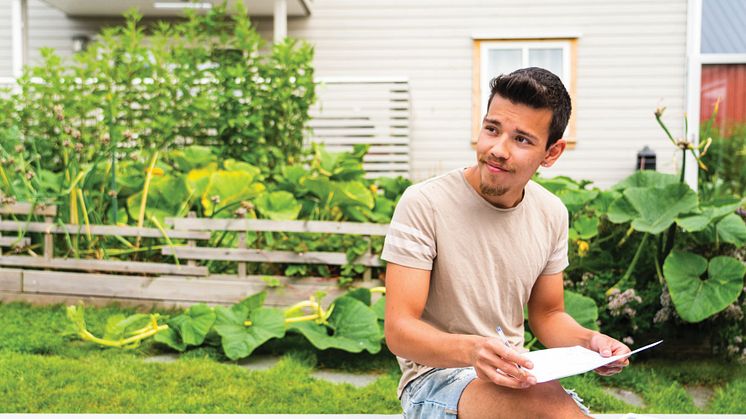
(404, 167)
(361, 140)
(270, 256)
(11, 280)
(224, 224)
(89, 301)
(289, 293)
(12, 241)
(210, 290)
(385, 158)
(102, 265)
(24, 208)
(367, 123)
(358, 132)
(100, 230)
(375, 149)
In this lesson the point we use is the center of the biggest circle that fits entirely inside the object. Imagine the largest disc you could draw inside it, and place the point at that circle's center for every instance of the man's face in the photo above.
(511, 146)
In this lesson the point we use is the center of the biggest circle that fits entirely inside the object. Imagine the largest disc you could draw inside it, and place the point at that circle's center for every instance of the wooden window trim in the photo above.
(476, 94)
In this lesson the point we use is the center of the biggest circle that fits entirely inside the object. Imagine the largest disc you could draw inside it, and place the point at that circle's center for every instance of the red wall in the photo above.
(728, 82)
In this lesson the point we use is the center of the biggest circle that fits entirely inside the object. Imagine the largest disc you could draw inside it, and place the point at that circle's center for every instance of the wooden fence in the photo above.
(40, 276)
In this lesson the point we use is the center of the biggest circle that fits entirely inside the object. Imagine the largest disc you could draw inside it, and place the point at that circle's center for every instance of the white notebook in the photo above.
(555, 363)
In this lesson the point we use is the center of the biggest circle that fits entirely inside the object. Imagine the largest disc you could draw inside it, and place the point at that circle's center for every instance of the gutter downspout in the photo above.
(19, 35)
(280, 21)
(693, 84)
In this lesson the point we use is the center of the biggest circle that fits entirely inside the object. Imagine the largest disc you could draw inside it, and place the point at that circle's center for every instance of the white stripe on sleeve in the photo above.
(412, 231)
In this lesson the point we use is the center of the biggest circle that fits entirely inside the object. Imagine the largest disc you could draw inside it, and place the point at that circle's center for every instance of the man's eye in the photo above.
(490, 128)
(523, 140)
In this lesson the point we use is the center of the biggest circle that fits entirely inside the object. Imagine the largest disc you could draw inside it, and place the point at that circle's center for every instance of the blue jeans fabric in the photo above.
(436, 393)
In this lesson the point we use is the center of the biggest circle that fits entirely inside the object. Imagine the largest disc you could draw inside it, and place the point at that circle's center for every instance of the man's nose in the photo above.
(501, 148)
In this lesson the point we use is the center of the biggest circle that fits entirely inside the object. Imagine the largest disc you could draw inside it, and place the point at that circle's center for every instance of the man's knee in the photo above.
(483, 399)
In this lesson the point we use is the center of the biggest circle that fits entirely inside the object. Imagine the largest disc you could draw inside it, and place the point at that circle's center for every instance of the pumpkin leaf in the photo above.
(581, 308)
(278, 206)
(657, 208)
(353, 327)
(237, 339)
(696, 299)
(193, 324)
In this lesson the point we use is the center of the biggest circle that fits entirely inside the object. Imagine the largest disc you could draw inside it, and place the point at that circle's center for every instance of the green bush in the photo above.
(203, 81)
(725, 160)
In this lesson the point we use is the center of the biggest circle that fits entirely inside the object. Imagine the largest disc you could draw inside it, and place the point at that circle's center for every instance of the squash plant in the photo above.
(350, 324)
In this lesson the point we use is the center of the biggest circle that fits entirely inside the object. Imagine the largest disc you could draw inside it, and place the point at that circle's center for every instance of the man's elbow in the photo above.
(392, 334)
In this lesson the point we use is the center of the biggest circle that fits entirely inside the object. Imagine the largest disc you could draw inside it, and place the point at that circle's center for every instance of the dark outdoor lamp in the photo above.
(645, 159)
(80, 42)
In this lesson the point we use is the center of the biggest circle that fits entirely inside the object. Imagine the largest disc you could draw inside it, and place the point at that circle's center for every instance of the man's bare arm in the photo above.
(410, 337)
(555, 328)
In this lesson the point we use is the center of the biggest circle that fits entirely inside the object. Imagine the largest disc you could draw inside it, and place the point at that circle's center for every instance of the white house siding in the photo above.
(50, 27)
(631, 59)
(6, 41)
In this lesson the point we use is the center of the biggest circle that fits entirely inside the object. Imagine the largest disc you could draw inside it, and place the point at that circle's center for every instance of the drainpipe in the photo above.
(281, 20)
(693, 83)
(19, 37)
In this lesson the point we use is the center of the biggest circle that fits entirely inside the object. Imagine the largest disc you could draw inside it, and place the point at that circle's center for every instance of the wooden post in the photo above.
(1, 235)
(368, 270)
(242, 245)
(191, 243)
(48, 239)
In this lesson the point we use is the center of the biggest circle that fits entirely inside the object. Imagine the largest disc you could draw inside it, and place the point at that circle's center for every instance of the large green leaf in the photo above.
(353, 193)
(353, 327)
(621, 211)
(708, 214)
(584, 228)
(732, 229)
(278, 206)
(241, 166)
(226, 188)
(237, 339)
(167, 197)
(171, 338)
(321, 187)
(193, 324)
(192, 157)
(575, 199)
(696, 299)
(118, 326)
(647, 178)
(582, 309)
(657, 208)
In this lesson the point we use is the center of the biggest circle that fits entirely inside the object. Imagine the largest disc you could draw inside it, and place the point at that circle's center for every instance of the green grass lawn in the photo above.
(44, 370)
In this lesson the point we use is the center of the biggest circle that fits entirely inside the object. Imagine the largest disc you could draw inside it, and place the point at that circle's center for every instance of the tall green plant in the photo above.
(139, 90)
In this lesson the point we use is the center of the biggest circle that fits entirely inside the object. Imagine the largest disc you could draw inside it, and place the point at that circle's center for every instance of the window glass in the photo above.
(503, 61)
(548, 58)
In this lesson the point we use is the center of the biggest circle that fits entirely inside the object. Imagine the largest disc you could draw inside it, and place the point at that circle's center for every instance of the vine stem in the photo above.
(631, 266)
(144, 200)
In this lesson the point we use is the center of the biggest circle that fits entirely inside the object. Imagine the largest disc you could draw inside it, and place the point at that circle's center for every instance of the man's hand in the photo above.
(607, 346)
(495, 362)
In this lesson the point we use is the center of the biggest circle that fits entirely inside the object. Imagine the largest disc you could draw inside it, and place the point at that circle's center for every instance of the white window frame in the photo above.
(524, 46)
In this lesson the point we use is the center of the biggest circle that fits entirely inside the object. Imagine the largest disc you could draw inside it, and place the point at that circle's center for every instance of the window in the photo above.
(493, 57)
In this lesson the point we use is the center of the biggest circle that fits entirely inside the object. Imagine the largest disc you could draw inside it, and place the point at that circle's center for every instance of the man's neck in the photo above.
(507, 200)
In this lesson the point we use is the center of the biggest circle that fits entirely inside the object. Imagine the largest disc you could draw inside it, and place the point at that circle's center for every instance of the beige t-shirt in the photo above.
(484, 260)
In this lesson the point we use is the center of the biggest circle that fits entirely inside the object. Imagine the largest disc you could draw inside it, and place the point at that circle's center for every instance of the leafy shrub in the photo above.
(202, 81)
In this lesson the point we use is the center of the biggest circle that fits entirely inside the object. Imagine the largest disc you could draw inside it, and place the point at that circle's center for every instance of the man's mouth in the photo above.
(496, 168)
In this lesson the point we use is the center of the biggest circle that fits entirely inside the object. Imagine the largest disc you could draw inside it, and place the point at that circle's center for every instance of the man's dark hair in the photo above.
(539, 89)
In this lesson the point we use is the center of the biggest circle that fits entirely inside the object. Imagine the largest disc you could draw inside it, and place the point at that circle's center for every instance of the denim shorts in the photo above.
(436, 393)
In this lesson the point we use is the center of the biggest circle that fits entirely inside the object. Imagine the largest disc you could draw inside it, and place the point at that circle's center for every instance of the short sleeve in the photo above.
(410, 240)
(558, 260)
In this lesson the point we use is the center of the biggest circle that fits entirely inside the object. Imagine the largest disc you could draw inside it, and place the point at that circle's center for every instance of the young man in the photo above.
(468, 250)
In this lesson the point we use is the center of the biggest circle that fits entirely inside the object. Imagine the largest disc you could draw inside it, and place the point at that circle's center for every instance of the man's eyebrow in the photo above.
(518, 131)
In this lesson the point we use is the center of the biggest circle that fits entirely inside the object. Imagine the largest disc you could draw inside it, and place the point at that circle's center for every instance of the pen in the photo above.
(499, 331)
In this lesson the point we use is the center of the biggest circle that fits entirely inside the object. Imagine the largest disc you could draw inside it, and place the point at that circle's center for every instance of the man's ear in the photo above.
(554, 152)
